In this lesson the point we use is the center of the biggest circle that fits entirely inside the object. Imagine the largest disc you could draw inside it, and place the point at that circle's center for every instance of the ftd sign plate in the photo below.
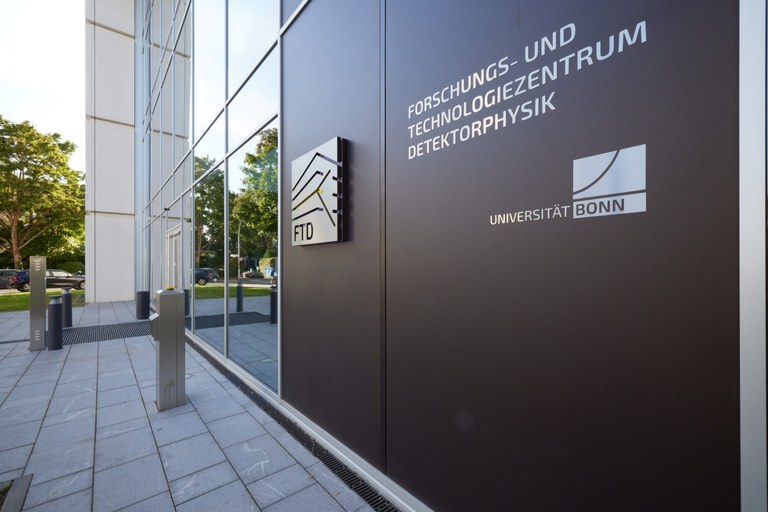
(316, 195)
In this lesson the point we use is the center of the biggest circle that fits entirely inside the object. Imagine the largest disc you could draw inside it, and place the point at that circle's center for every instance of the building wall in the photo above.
(537, 364)
(348, 333)
(110, 157)
(463, 362)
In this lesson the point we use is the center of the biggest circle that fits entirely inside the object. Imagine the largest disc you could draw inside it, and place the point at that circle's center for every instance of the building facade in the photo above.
(542, 278)
(109, 200)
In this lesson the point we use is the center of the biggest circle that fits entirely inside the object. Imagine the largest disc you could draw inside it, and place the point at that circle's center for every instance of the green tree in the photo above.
(42, 200)
(256, 205)
(209, 215)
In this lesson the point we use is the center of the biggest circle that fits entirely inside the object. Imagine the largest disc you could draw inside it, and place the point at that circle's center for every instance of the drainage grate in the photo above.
(378, 502)
(93, 333)
(211, 321)
(90, 334)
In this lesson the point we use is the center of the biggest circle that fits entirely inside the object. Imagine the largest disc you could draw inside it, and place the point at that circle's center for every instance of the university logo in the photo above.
(316, 198)
(610, 183)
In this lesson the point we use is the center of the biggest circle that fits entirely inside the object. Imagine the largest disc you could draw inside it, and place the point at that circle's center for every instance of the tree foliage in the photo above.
(255, 207)
(41, 198)
(209, 215)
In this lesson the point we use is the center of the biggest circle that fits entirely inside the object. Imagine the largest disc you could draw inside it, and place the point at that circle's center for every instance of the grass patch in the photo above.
(3, 493)
(20, 301)
(217, 292)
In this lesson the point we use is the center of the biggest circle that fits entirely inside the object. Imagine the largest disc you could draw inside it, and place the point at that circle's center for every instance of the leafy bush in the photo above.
(73, 267)
(267, 262)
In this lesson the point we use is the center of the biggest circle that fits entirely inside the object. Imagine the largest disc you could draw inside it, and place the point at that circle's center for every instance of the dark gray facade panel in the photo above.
(331, 307)
(564, 363)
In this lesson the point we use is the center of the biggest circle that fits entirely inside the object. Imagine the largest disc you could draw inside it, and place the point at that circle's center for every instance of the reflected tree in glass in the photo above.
(253, 225)
(209, 216)
(255, 206)
(209, 244)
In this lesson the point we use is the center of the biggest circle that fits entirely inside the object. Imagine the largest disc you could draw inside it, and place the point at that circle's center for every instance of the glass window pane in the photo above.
(209, 260)
(156, 258)
(256, 102)
(188, 239)
(181, 7)
(166, 107)
(155, 164)
(167, 22)
(211, 148)
(155, 208)
(253, 235)
(166, 196)
(183, 176)
(253, 26)
(173, 246)
(155, 35)
(182, 94)
(154, 73)
(209, 58)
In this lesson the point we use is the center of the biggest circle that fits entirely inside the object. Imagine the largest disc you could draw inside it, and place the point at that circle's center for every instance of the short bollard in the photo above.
(142, 305)
(239, 296)
(273, 305)
(66, 305)
(167, 327)
(55, 330)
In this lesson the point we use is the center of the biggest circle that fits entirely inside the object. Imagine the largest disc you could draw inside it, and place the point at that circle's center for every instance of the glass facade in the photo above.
(209, 96)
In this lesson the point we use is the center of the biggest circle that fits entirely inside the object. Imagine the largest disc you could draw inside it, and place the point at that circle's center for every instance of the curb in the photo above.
(17, 494)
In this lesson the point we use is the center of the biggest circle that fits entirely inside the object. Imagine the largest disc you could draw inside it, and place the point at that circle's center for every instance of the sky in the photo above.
(42, 67)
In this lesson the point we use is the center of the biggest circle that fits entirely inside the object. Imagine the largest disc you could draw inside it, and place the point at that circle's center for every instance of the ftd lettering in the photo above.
(302, 232)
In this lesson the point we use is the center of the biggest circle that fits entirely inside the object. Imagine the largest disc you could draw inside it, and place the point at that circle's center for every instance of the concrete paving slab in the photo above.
(82, 421)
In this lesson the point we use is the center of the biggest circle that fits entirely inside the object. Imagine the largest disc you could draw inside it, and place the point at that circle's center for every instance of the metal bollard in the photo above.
(239, 296)
(66, 305)
(273, 305)
(55, 330)
(37, 302)
(167, 328)
(142, 305)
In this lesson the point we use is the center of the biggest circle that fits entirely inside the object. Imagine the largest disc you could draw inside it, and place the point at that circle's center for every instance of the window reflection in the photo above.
(182, 88)
(252, 29)
(211, 147)
(209, 257)
(154, 149)
(187, 242)
(196, 55)
(166, 134)
(209, 58)
(173, 247)
(156, 256)
(253, 241)
(256, 101)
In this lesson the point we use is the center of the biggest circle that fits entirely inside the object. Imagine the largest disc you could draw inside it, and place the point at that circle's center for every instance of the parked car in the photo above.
(213, 275)
(54, 278)
(20, 281)
(202, 276)
(5, 275)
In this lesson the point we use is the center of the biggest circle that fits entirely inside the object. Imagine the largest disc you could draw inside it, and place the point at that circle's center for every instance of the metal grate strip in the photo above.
(94, 333)
(378, 502)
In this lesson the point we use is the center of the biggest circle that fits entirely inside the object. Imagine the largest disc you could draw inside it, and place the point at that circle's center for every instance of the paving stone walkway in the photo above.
(83, 421)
